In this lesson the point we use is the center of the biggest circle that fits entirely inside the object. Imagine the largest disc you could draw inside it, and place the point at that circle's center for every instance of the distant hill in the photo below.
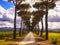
(5, 28)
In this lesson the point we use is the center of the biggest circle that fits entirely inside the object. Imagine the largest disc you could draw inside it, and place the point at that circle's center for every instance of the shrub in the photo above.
(43, 36)
(54, 41)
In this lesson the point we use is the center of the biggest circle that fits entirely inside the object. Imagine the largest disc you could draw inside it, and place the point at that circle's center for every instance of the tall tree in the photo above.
(46, 6)
(38, 6)
(25, 15)
(16, 2)
(46, 21)
(42, 23)
(37, 16)
(49, 5)
(42, 27)
(20, 31)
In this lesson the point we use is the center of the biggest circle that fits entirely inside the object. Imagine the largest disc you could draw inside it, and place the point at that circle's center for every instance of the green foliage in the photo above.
(51, 5)
(42, 5)
(43, 36)
(37, 5)
(23, 6)
(37, 16)
(39, 12)
(24, 13)
(54, 41)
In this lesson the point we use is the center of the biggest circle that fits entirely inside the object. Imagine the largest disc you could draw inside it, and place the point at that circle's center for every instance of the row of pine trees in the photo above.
(23, 11)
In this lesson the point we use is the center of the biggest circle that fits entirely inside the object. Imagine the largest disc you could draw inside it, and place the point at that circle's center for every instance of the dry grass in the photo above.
(49, 42)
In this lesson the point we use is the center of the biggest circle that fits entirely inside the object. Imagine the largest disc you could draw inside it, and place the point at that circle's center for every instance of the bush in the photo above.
(43, 36)
(54, 41)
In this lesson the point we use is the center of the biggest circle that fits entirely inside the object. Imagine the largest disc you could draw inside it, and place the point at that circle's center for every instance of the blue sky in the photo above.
(6, 4)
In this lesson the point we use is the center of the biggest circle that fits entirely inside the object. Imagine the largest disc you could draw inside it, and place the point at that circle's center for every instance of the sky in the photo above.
(7, 15)
(6, 5)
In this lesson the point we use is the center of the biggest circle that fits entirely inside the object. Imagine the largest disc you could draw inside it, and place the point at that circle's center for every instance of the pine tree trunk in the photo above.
(38, 28)
(35, 29)
(42, 27)
(46, 21)
(20, 31)
(14, 33)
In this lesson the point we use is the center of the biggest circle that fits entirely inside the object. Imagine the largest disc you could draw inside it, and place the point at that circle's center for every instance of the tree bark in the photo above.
(46, 21)
(42, 27)
(20, 31)
(38, 28)
(14, 33)
(35, 29)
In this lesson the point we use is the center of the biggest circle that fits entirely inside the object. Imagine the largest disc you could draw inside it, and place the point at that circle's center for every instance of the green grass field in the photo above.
(55, 36)
(6, 35)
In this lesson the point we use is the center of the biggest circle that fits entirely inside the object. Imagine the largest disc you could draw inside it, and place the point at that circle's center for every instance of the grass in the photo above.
(54, 36)
(6, 37)
(6, 33)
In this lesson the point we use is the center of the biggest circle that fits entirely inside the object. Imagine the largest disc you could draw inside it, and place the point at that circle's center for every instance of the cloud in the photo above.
(51, 25)
(54, 14)
(6, 24)
(54, 25)
(31, 2)
(5, 0)
(53, 17)
(7, 17)
(1, 16)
